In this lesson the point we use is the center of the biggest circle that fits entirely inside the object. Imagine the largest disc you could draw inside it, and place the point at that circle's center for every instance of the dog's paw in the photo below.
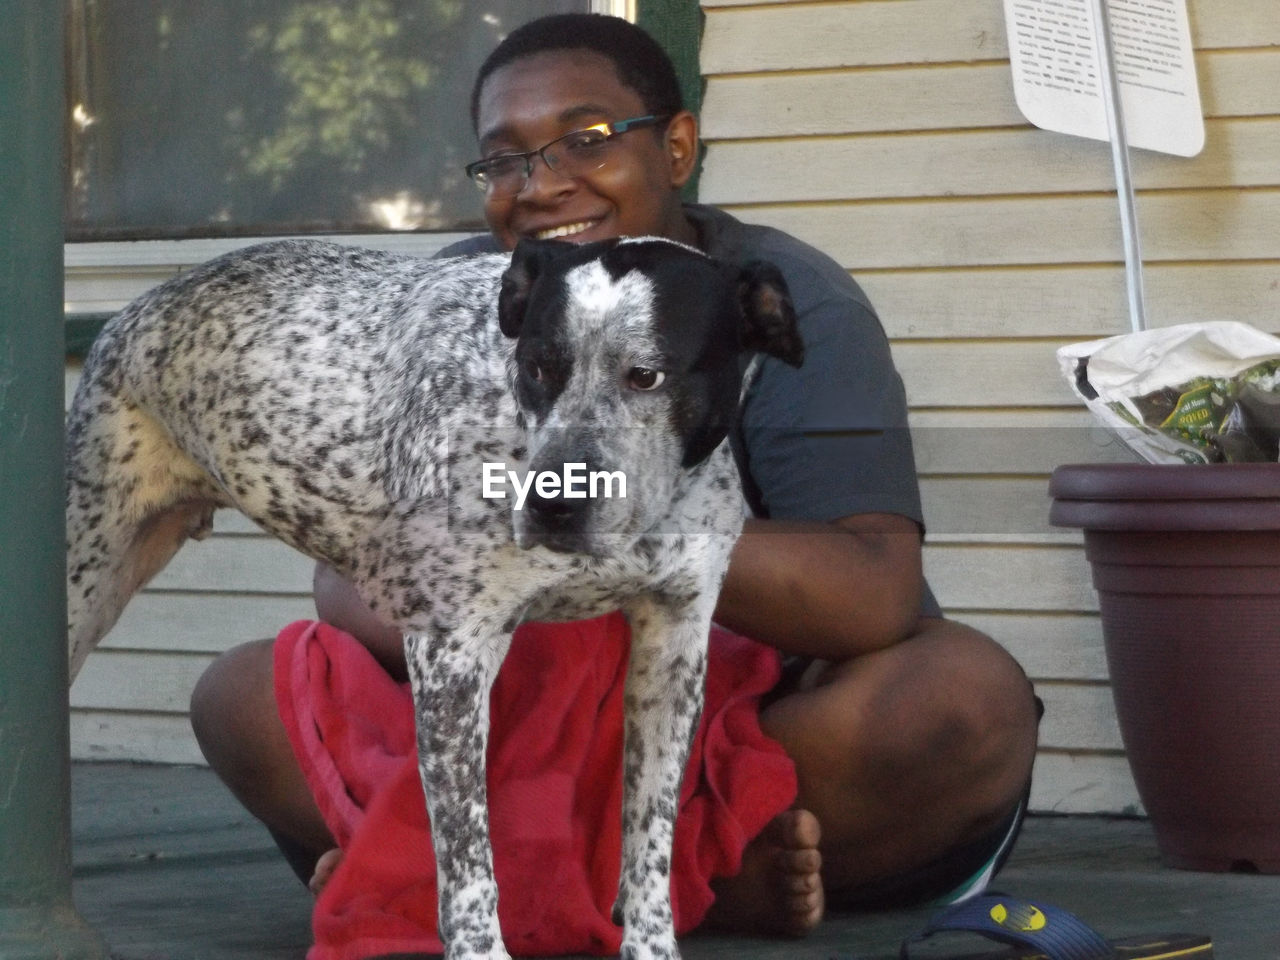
(662, 948)
(499, 953)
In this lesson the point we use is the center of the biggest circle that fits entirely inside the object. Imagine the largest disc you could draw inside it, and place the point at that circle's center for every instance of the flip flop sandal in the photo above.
(1037, 931)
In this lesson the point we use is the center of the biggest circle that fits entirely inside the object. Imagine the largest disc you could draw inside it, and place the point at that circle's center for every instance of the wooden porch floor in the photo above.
(168, 867)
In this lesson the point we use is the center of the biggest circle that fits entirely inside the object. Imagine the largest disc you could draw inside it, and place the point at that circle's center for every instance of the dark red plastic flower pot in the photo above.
(1186, 562)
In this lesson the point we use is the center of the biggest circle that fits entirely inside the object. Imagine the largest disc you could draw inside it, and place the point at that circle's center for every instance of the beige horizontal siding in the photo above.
(1033, 229)
(1024, 577)
(1050, 645)
(132, 735)
(850, 35)
(202, 621)
(990, 507)
(1239, 152)
(1080, 301)
(973, 373)
(1076, 781)
(237, 565)
(885, 133)
(948, 97)
(1001, 442)
(145, 682)
(893, 32)
(1078, 717)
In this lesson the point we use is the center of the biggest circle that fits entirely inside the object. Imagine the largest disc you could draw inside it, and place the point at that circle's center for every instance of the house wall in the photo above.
(885, 133)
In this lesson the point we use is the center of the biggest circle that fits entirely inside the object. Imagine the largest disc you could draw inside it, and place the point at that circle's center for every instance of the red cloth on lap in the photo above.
(555, 786)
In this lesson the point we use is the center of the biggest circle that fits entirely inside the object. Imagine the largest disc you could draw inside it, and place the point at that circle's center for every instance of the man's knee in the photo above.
(1004, 708)
(232, 704)
(968, 722)
(996, 719)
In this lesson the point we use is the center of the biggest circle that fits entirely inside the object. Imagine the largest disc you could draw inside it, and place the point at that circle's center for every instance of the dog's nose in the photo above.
(555, 509)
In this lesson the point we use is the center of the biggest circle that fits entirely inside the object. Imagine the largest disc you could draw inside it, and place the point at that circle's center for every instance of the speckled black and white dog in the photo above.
(349, 401)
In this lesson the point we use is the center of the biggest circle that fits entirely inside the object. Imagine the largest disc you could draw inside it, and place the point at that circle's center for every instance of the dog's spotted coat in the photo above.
(346, 399)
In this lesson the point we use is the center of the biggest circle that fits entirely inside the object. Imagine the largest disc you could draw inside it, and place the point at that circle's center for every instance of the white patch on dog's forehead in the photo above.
(621, 307)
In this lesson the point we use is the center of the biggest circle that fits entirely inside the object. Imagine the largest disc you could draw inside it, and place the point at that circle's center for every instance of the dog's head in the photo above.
(627, 362)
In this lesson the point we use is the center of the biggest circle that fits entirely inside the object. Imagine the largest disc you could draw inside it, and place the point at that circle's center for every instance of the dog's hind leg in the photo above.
(133, 498)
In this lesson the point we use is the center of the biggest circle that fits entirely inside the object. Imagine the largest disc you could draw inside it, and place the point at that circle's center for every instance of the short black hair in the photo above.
(639, 60)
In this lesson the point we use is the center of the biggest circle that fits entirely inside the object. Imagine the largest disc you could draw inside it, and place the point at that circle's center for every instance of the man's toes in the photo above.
(779, 890)
(796, 829)
(804, 862)
(807, 905)
(324, 869)
(804, 913)
(800, 884)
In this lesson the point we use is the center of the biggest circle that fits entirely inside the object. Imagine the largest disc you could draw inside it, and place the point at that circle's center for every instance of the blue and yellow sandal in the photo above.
(1037, 931)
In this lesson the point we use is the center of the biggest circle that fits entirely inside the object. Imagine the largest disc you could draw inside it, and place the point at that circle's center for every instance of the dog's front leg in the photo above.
(451, 676)
(664, 693)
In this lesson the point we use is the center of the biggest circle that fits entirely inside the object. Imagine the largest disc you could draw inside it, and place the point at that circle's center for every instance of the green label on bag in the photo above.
(1199, 409)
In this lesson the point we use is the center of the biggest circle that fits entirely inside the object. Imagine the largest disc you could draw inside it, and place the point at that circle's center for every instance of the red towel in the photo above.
(554, 766)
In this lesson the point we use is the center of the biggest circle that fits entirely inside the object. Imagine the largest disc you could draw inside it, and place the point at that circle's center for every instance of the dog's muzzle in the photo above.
(556, 521)
(573, 504)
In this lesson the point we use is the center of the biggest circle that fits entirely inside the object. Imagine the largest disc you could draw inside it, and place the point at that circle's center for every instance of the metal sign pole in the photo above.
(1120, 160)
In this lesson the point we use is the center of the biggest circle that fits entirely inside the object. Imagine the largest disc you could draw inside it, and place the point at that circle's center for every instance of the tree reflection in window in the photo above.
(276, 116)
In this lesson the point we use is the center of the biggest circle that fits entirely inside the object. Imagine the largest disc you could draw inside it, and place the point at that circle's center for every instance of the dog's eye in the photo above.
(645, 378)
(533, 371)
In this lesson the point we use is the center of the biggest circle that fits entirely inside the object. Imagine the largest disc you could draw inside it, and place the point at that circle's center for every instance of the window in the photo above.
(268, 117)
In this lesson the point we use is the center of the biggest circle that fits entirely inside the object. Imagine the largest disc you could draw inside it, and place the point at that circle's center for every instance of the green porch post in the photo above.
(37, 919)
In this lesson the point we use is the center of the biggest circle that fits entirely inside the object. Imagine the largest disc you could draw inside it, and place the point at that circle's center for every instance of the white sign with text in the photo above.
(1055, 57)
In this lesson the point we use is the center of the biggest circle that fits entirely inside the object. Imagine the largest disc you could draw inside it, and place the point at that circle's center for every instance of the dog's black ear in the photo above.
(768, 318)
(527, 261)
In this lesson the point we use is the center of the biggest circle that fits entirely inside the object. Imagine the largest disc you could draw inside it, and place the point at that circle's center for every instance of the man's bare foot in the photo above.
(778, 891)
(325, 866)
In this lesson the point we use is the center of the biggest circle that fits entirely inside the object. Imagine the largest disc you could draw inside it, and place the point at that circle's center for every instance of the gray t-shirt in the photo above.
(830, 439)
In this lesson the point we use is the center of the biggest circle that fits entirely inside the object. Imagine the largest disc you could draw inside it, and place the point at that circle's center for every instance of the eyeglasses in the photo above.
(572, 155)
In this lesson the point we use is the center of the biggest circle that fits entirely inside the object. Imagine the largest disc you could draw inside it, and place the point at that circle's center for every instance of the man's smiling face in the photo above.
(531, 101)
